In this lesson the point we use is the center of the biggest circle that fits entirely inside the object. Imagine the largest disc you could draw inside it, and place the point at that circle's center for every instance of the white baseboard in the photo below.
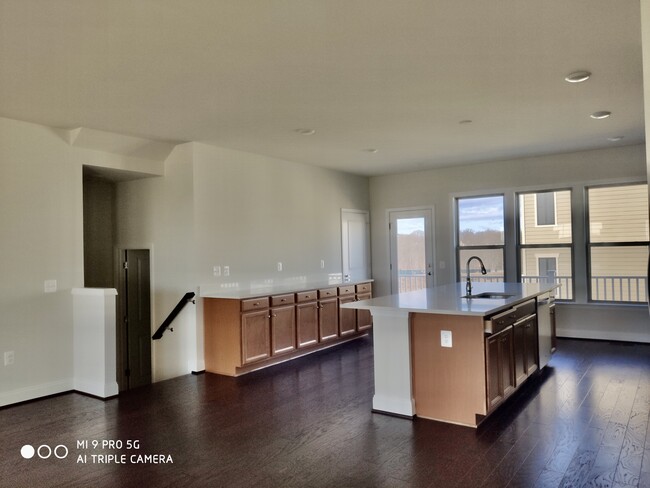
(35, 391)
(101, 390)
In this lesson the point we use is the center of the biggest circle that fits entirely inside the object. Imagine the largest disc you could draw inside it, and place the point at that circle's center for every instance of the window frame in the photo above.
(460, 248)
(589, 245)
(549, 246)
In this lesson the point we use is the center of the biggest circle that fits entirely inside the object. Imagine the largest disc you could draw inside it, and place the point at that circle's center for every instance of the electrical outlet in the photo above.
(226, 270)
(216, 270)
(445, 338)
(49, 286)
(9, 358)
(279, 266)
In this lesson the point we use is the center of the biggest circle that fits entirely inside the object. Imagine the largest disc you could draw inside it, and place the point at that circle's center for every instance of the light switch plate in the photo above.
(49, 286)
(445, 338)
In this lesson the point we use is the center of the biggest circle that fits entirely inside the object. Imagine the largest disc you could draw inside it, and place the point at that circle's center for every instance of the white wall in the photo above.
(438, 187)
(253, 212)
(158, 214)
(216, 206)
(41, 239)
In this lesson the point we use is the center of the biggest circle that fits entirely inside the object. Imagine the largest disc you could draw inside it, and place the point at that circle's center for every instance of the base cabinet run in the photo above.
(487, 360)
(242, 335)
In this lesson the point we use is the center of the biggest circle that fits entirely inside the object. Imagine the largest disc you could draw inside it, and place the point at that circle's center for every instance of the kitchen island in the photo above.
(443, 356)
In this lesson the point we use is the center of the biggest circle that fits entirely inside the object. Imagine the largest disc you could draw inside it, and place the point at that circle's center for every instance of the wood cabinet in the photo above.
(256, 340)
(347, 316)
(307, 318)
(487, 361)
(525, 348)
(499, 367)
(364, 318)
(328, 314)
(242, 335)
(283, 324)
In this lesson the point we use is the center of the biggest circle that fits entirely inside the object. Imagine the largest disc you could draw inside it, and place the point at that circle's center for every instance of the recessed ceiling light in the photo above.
(615, 138)
(371, 150)
(578, 76)
(603, 114)
(466, 121)
(305, 132)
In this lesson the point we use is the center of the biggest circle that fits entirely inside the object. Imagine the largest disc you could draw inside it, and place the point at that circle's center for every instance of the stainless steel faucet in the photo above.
(468, 284)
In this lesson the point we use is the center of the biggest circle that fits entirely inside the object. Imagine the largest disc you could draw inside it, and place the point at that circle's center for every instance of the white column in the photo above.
(95, 354)
(392, 352)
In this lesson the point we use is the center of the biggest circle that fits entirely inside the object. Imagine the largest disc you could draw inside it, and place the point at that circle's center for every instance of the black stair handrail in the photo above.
(189, 297)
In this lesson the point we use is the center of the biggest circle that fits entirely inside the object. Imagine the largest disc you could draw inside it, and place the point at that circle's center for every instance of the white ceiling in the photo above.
(397, 76)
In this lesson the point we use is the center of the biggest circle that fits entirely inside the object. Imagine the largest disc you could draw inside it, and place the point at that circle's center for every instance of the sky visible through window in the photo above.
(408, 226)
(480, 214)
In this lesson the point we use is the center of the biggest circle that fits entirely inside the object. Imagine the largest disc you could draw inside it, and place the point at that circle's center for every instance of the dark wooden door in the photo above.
(137, 318)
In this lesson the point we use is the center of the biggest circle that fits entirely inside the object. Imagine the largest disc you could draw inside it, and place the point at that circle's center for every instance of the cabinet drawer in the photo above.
(327, 293)
(524, 309)
(254, 304)
(287, 299)
(306, 296)
(346, 290)
(500, 321)
(364, 288)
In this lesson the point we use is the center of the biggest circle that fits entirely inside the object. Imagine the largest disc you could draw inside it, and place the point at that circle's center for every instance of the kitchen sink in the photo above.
(489, 294)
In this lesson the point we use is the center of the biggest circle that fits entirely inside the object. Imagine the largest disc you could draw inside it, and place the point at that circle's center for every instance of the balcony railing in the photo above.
(411, 280)
(603, 288)
(565, 292)
(619, 288)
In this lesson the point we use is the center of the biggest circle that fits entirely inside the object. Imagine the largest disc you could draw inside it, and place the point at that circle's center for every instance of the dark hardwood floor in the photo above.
(583, 422)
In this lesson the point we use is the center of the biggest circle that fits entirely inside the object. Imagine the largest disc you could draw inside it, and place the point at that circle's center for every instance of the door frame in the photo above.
(430, 240)
(365, 213)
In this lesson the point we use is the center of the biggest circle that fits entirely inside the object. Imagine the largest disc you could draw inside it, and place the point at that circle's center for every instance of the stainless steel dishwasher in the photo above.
(544, 304)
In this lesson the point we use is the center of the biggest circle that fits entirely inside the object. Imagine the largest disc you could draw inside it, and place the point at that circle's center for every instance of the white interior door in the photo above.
(411, 249)
(355, 232)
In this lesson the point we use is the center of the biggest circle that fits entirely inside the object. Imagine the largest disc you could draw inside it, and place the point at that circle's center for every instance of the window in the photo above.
(547, 267)
(618, 242)
(545, 240)
(479, 226)
(545, 211)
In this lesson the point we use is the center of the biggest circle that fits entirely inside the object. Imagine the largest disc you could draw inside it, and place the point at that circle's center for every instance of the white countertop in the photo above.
(243, 293)
(447, 299)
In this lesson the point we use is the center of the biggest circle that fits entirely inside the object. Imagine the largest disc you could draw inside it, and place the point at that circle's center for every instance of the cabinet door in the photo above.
(519, 340)
(307, 324)
(283, 329)
(531, 349)
(494, 393)
(506, 352)
(499, 367)
(255, 336)
(347, 317)
(328, 319)
(364, 318)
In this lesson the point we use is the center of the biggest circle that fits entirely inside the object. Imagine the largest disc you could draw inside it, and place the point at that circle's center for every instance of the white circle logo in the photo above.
(44, 451)
(27, 451)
